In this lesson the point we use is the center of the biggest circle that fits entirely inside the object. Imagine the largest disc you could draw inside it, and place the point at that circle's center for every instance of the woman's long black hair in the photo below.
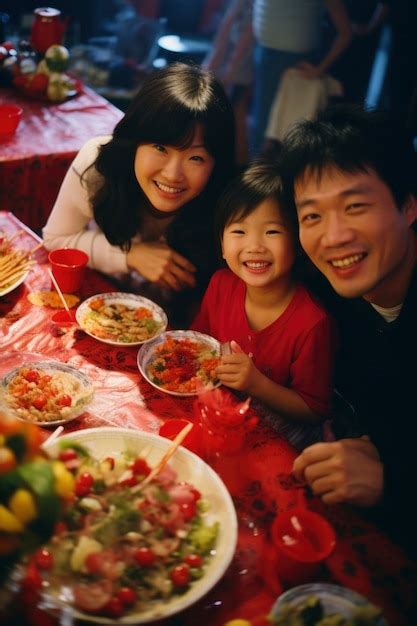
(167, 108)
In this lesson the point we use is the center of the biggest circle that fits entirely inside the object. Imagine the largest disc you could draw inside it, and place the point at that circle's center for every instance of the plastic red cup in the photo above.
(68, 267)
(10, 115)
(172, 427)
(302, 540)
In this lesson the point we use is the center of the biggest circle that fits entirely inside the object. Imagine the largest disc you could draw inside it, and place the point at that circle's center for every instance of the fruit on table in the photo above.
(32, 489)
(57, 58)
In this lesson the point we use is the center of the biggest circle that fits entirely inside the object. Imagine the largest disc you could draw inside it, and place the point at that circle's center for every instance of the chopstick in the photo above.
(52, 436)
(59, 292)
(164, 460)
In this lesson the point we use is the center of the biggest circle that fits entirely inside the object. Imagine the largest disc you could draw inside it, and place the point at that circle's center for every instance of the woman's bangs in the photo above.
(170, 130)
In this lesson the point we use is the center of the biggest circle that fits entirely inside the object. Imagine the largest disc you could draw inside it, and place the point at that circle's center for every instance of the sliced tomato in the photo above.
(193, 560)
(188, 510)
(127, 596)
(64, 400)
(145, 557)
(39, 402)
(180, 575)
(114, 607)
(44, 559)
(140, 466)
(92, 597)
(32, 376)
(69, 454)
(84, 484)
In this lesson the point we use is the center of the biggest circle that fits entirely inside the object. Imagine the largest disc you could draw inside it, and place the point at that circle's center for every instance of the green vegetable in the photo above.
(80, 450)
(41, 481)
(17, 444)
(203, 538)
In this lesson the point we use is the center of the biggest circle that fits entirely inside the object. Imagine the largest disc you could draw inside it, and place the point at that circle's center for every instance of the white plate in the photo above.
(147, 353)
(13, 286)
(103, 442)
(48, 367)
(335, 599)
(128, 299)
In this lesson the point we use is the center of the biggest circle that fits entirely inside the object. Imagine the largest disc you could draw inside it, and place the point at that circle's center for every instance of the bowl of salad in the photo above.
(121, 319)
(129, 549)
(180, 362)
(47, 393)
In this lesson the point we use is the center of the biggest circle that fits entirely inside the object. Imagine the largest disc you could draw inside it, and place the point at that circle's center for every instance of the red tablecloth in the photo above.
(259, 480)
(34, 160)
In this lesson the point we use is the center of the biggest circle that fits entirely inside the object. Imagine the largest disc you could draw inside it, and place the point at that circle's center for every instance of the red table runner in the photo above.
(33, 162)
(259, 479)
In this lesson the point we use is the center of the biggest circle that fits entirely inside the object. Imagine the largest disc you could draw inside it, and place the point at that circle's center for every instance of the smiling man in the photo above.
(352, 179)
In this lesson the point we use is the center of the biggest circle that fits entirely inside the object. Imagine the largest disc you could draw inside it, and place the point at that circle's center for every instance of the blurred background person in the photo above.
(354, 66)
(288, 34)
(231, 59)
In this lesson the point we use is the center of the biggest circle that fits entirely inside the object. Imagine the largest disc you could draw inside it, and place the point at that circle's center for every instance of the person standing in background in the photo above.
(354, 66)
(287, 34)
(231, 59)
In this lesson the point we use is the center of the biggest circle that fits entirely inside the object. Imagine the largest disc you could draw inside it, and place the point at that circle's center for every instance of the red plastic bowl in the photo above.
(10, 115)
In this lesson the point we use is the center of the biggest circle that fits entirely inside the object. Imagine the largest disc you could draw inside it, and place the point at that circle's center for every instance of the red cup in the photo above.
(68, 267)
(302, 540)
(10, 115)
(172, 427)
(221, 435)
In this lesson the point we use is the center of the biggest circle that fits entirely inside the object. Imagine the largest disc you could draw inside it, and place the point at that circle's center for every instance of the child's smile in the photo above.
(259, 247)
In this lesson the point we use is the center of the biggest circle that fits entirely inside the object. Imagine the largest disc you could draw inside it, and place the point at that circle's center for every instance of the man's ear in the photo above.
(410, 209)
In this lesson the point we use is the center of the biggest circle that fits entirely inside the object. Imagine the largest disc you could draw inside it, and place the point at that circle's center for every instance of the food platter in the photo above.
(121, 319)
(47, 393)
(14, 284)
(14, 265)
(180, 362)
(333, 598)
(189, 468)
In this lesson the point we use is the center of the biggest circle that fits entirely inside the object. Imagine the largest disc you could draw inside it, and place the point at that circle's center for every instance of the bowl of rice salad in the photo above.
(47, 393)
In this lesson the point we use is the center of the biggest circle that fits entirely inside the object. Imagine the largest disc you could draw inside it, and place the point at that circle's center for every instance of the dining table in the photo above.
(259, 476)
(35, 159)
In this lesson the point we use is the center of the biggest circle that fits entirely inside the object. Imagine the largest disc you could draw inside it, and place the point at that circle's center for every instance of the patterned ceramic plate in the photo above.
(179, 360)
(334, 599)
(121, 319)
(47, 393)
(102, 442)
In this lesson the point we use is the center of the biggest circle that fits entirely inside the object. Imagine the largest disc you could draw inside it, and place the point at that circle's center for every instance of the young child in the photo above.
(281, 339)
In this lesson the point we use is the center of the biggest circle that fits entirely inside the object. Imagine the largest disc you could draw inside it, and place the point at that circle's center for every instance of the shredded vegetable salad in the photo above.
(181, 364)
(119, 322)
(120, 547)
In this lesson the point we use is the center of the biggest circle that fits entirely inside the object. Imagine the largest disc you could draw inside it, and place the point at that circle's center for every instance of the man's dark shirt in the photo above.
(376, 373)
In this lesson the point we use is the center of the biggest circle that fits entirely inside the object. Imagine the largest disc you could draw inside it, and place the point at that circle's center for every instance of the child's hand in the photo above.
(236, 370)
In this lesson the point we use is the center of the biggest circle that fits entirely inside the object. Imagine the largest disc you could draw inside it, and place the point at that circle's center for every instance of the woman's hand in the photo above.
(348, 470)
(308, 70)
(237, 370)
(160, 264)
